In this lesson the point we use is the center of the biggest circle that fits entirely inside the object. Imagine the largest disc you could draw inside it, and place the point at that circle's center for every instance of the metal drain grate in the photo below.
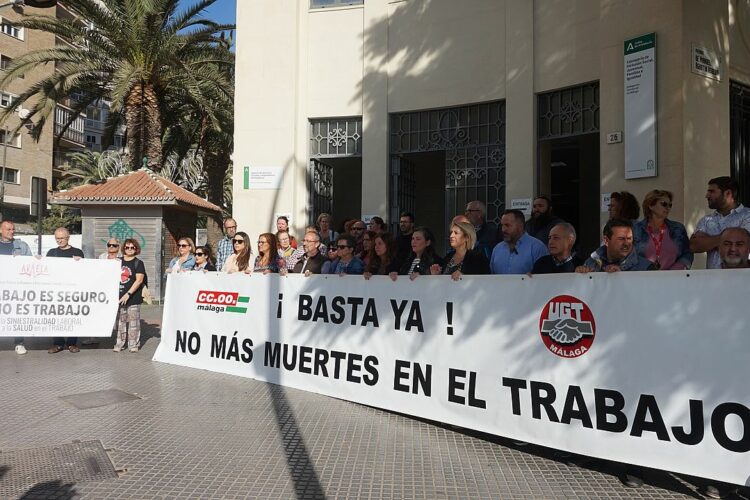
(96, 399)
(52, 471)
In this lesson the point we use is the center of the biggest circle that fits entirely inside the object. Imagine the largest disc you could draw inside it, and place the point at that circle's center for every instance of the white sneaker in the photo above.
(20, 349)
(118, 347)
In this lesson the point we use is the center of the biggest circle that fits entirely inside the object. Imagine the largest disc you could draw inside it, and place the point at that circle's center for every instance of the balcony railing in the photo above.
(75, 132)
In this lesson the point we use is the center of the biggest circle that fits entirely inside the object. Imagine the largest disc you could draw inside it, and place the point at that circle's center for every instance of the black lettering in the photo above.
(719, 422)
(538, 401)
(353, 367)
(180, 341)
(355, 302)
(272, 355)
(696, 425)
(422, 379)
(603, 410)
(305, 358)
(415, 318)
(473, 400)
(337, 356)
(247, 350)
(218, 346)
(289, 364)
(647, 405)
(304, 311)
(321, 358)
(338, 306)
(370, 315)
(401, 373)
(454, 385)
(371, 367)
(398, 310)
(194, 343)
(515, 384)
(234, 348)
(575, 407)
(321, 310)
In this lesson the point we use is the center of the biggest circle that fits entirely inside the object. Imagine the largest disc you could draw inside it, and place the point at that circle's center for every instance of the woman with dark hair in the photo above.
(239, 261)
(132, 279)
(381, 260)
(268, 260)
(659, 239)
(464, 259)
(422, 255)
(623, 205)
(377, 224)
(367, 240)
(203, 259)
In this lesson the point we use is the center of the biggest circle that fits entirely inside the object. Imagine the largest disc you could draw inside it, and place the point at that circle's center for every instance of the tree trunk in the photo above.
(144, 126)
(215, 165)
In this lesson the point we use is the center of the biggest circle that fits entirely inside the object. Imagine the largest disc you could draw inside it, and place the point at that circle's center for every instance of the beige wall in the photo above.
(401, 55)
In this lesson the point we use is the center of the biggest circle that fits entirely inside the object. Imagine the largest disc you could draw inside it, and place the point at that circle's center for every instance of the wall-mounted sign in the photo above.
(262, 177)
(614, 137)
(705, 62)
(640, 106)
(522, 204)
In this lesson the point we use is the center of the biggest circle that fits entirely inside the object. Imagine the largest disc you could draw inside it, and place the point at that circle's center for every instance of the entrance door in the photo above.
(320, 189)
(739, 108)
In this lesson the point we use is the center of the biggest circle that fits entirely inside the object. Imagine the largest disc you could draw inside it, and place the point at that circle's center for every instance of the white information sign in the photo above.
(264, 177)
(640, 107)
(58, 297)
(705, 62)
(638, 367)
(522, 204)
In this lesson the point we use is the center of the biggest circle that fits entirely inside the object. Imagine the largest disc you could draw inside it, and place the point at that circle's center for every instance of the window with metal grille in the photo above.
(11, 175)
(569, 112)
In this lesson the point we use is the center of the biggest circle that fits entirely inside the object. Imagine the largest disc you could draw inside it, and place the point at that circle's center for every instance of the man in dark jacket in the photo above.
(312, 261)
(618, 252)
(542, 219)
(487, 236)
(561, 259)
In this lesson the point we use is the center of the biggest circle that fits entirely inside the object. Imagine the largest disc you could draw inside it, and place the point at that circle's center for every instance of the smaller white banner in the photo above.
(706, 63)
(58, 297)
(265, 177)
(522, 204)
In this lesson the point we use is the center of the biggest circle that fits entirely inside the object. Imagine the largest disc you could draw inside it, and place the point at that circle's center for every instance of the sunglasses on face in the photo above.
(113, 245)
(341, 247)
(129, 248)
(665, 204)
(199, 254)
(238, 242)
(183, 245)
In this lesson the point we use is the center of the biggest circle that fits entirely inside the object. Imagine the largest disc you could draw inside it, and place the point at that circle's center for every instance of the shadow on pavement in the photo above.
(301, 469)
(3, 470)
(50, 489)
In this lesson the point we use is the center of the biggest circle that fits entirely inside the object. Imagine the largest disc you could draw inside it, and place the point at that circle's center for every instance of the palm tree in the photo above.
(132, 53)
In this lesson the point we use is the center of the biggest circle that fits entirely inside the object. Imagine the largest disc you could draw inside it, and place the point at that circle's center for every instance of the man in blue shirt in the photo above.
(518, 251)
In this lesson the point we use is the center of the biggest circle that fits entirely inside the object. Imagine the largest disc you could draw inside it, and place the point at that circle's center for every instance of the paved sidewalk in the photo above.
(161, 431)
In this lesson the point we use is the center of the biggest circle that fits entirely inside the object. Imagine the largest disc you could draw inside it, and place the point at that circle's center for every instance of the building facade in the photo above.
(371, 107)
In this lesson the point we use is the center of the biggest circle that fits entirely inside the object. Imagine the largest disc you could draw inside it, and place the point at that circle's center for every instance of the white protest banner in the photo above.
(644, 368)
(58, 297)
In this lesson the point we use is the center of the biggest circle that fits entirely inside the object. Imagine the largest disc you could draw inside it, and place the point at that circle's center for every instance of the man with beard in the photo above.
(518, 251)
(542, 219)
(734, 248)
(728, 212)
(486, 231)
(618, 252)
(406, 228)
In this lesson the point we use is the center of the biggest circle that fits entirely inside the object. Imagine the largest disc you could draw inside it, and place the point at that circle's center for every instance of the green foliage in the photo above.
(60, 216)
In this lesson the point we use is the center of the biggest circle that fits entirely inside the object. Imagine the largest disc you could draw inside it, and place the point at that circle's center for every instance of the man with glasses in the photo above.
(358, 231)
(224, 248)
(9, 245)
(113, 250)
(486, 231)
(64, 250)
(347, 262)
(312, 260)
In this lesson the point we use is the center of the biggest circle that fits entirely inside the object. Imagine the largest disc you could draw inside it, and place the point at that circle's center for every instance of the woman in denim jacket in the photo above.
(184, 260)
(658, 239)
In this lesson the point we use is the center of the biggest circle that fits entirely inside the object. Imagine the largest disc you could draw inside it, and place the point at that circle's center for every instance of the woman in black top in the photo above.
(465, 259)
(203, 259)
(382, 257)
(132, 279)
(422, 255)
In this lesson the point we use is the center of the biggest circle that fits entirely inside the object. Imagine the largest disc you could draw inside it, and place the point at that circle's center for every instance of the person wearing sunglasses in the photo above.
(346, 262)
(658, 239)
(268, 260)
(203, 259)
(184, 260)
(132, 280)
(239, 261)
(113, 250)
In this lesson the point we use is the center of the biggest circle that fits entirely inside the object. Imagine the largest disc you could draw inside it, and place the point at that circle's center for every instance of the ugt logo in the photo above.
(567, 326)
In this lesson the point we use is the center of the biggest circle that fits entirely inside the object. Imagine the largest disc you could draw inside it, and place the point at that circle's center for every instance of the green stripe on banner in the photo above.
(243, 299)
(236, 309)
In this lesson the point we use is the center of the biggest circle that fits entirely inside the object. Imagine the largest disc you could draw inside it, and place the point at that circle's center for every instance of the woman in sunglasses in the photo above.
(113, 250)
(658, 239)
(239, 261)
(184, 260)
(203, 259)
(132, 279)
(268, 260)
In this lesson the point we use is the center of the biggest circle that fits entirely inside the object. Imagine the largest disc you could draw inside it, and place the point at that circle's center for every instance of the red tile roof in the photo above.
(143, 187)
